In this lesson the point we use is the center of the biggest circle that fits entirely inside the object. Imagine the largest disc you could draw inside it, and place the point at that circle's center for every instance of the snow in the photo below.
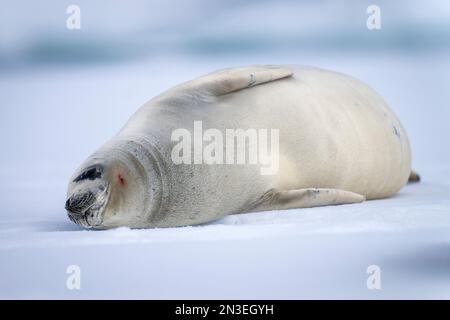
(308, 253)
(54, 116)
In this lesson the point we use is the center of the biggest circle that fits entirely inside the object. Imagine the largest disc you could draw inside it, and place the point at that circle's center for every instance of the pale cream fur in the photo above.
(336, 134)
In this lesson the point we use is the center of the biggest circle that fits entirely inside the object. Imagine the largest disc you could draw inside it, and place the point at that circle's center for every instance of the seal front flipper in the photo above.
(303, 198)
(230, 80)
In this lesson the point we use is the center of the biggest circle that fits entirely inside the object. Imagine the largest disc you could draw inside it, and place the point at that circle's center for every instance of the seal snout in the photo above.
(88, 198)
(78, 204)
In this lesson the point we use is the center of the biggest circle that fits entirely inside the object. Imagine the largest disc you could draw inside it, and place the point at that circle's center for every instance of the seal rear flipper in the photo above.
(230, 80)
(303, 198)
(414, 177)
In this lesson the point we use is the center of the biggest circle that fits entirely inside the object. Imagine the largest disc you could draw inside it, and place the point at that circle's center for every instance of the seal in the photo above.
(339, 143)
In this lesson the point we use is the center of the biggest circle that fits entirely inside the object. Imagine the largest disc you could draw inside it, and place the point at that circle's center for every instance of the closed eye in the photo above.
(89, 174)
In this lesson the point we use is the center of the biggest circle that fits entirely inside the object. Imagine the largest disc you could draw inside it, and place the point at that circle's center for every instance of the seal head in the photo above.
(117, 186)
(89, 196)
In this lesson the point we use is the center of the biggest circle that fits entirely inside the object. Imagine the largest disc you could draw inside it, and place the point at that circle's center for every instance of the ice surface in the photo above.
(307, 253)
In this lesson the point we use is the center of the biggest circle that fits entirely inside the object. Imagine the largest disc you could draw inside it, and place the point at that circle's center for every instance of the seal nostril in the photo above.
(67, 206)
(79, 203)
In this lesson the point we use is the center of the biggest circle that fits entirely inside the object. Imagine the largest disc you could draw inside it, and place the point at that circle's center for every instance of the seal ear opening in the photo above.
(121, 180)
